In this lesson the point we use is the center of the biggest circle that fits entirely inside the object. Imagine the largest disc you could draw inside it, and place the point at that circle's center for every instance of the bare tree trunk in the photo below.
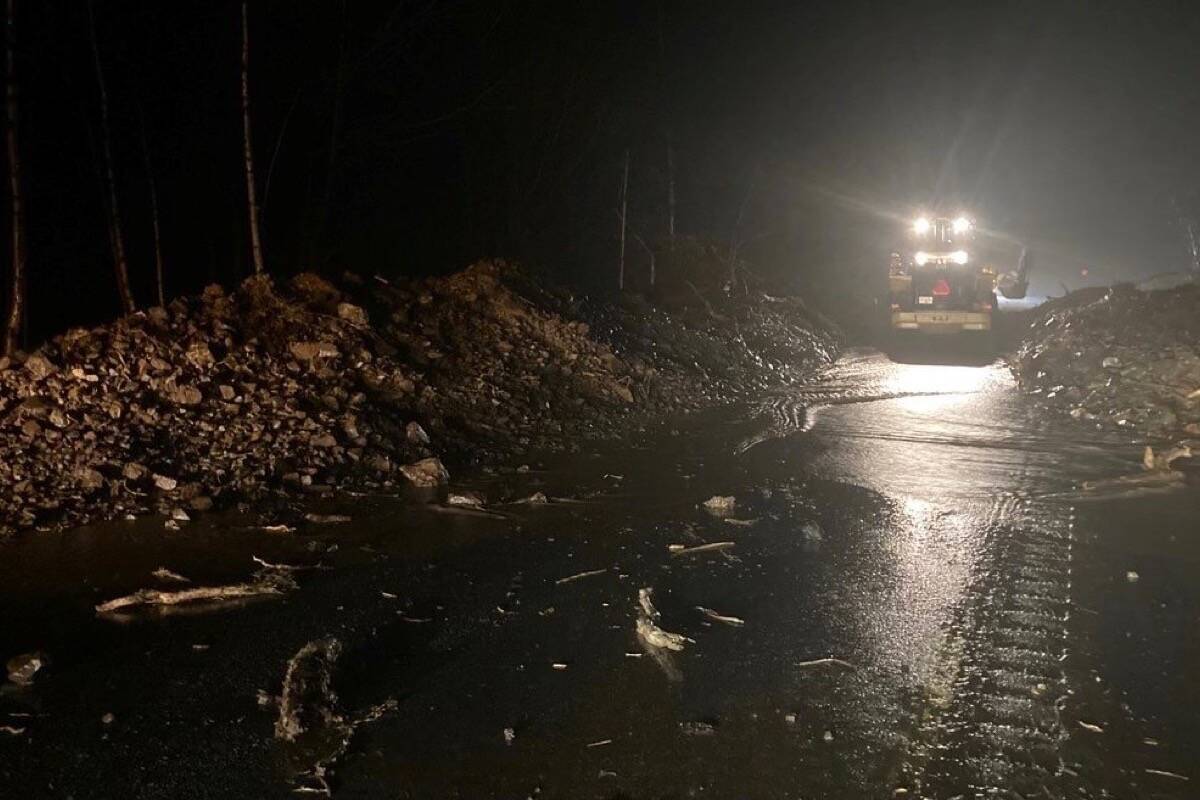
(16, 300)
(115, 233)
(624, 209)
(275, 153)
(158, 259)
(251, 203)
(735, 241)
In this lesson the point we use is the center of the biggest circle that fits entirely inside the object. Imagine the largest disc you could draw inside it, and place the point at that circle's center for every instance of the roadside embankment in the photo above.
(1118, 357)
(306, 388)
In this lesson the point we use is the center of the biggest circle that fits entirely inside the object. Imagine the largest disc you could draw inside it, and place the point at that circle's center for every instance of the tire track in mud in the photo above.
(993, 726)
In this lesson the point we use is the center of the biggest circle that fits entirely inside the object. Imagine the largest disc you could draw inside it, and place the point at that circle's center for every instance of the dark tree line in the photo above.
(401, 136)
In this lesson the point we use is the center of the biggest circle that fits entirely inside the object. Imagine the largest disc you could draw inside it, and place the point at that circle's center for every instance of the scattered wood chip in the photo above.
(327, 519)
(735, 622)
(711, 547)
(164, 574)
(589, 573)
(558, 665)
(277, 529)
(741, 523)
(284, 567)
(600, 743)
(265, 583)
(1164, 774)
(819, 662)
(1091, 728)
(655, 636)
(720, 504)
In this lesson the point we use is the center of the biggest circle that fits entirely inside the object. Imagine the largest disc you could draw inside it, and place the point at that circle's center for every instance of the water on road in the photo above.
(914, 601)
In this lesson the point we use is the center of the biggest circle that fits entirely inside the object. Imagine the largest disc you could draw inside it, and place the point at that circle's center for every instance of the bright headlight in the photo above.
(921, 226)
(961, 225)
(959, 256)
(922, 258)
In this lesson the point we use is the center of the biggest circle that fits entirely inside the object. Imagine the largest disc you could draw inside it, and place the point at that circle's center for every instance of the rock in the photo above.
(134, 472)
(164, 483)
(427, 473)
(199, 356)
(1110, 362)
(23, 668)
(39, 367)
(415, 433)
(379, 462)
(184, 395)
(311, 351)
(353, 314)
(89, 479)
(324, 440)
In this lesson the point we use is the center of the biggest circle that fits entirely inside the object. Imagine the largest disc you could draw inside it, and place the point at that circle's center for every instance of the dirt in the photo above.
(311, 387)
(1118, 357)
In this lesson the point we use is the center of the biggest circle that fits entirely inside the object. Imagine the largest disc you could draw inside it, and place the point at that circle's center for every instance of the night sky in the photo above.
(414, 137)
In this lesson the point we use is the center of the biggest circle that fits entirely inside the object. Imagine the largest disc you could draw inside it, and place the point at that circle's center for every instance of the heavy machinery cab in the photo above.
(939, 283)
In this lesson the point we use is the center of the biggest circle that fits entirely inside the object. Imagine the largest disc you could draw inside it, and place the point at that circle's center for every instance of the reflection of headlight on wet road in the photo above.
(927, 387)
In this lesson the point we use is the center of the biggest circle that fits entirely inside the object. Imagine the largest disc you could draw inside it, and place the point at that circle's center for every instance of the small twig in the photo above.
(680, 550)
(578, 575)
(818, 662)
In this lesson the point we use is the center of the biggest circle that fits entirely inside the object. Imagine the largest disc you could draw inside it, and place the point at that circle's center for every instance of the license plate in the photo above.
(925, 300)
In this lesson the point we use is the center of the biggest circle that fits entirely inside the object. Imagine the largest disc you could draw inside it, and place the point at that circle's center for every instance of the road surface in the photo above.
(929, 607)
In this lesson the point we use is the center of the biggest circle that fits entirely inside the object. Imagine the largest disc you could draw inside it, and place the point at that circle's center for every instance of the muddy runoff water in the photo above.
(908, 597)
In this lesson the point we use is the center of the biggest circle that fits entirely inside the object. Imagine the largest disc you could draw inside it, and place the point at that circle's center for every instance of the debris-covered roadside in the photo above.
(1119, 357)
(307, 387)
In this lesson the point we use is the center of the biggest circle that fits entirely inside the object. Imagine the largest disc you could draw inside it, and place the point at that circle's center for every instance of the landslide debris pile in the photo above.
(309, 387)
(708, 326)
(1119, 357)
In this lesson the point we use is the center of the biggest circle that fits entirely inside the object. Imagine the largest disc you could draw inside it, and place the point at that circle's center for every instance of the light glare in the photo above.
(921, 226)
(962, 225)
(959, 256)
(922, 258)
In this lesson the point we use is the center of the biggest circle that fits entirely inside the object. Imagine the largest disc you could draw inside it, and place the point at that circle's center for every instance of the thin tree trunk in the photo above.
(251, 203)
(624, 208)
(115, 234)
(158, 259)
(16, 300)
(275, 153)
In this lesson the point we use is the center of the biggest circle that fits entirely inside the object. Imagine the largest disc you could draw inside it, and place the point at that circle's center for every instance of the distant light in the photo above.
(921, 226)
(1084, 272)
(922, 258)
(959, 256)
(961, 225)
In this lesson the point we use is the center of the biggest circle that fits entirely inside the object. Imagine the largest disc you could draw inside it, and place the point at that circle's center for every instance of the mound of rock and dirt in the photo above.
(1118, 357)
(309, 387)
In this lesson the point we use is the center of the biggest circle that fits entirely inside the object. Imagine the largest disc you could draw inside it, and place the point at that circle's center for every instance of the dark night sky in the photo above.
(498, 128)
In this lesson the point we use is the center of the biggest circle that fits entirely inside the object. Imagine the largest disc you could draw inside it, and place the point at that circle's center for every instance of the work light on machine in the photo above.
(961, 225)
(921, 226)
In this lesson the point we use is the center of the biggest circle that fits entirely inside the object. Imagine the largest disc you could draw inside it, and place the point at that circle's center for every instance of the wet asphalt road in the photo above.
(930, 607)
